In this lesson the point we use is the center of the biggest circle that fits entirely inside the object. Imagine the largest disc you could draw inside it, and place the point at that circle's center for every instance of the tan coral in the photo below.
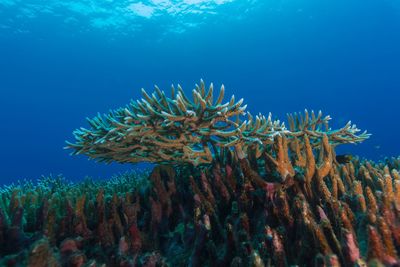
(282, 162)
(158, 128)
(325, 164)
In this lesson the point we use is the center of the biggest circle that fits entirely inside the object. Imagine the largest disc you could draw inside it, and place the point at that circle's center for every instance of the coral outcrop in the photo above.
(178, 129)
(230, 213)
(225, 193)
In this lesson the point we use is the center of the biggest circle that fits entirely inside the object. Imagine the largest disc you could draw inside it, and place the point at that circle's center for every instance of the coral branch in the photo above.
(179, 130)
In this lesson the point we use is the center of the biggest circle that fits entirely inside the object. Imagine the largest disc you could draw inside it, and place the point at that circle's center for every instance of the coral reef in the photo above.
(225, 193)
(225, 214)
(175, 130)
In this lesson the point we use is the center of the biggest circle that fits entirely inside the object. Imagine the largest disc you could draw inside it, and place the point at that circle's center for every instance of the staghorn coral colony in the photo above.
(227, 191)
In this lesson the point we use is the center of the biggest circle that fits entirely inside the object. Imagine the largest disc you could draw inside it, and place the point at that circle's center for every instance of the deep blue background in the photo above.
(339, 56)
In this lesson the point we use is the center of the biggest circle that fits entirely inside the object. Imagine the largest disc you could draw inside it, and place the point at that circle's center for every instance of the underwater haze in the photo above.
(63, 61)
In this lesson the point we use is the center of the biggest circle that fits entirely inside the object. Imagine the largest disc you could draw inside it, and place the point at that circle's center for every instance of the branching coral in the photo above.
(186, 216)
(177, 129)
(265, 195)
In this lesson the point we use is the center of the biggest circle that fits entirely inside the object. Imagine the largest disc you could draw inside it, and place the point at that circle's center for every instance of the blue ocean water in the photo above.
(62, 61)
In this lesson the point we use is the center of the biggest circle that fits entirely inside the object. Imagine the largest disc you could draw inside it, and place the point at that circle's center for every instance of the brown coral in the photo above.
(269, 195)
